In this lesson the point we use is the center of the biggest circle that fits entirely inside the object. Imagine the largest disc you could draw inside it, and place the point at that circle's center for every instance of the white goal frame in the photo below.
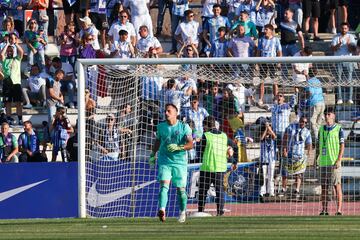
(82, 63)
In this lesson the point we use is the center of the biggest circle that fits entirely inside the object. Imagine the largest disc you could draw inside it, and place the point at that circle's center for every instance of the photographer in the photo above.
(60, 132)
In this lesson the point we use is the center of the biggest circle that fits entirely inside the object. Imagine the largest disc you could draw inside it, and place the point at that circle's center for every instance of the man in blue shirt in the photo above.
(297, 139)
(29, 145)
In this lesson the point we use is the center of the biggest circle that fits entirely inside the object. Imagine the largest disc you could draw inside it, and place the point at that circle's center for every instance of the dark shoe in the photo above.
(282, 193)
(306, 36)
(296, 194)
(220, 213)
(161, 215)
(338, 214)
(316, 39)
(324, 213)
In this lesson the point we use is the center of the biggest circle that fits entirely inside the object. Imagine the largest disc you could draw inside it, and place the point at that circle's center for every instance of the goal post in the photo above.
(117, 87)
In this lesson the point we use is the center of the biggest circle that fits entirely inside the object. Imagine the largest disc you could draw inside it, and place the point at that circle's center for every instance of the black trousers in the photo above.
(206, 179)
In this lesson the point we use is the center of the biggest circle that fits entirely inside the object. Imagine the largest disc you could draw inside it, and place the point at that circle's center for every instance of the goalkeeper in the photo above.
(217, 148)
(173, 139)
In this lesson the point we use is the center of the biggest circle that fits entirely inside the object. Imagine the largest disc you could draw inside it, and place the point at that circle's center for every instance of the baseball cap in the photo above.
(86, 20)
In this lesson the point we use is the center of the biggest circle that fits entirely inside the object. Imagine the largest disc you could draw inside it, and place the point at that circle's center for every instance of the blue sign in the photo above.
(38, 190)
(131, 189)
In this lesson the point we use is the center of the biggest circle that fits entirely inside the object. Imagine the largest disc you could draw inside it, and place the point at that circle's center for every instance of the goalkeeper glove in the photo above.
(152, 159)
(174, 147)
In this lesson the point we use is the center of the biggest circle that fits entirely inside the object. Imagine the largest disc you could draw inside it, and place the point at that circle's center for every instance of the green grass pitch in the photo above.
(327, 227)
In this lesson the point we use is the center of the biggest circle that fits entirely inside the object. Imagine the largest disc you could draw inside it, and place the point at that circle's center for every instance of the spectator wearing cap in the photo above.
(36, 41)
(268, 46)
(248, 6)
(29, 145)
(11, 68)
(54, 97)
(35, 89)
(301, 70)
(219, 45)
(96, 11)
(250, 27)
(316, 101)
(8, 145)
(140, 14)
(213, 24)
(341, 45)
(188, 31)
(39, 13)
(330, 150)
(265, 14)
(67, 83)
(312, 10)
(88, 27)
(177, 14)
(122, 48)
(296, 7)
(290, 32)
(123, 24)
(148, 45)
(69, 41)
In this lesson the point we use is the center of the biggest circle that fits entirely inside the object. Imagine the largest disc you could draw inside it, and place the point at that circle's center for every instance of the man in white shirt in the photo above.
(35, 89)
(148, 45)
(122, 24)
(301, 70)
(188, 31)
(139, 14)
(122, 48)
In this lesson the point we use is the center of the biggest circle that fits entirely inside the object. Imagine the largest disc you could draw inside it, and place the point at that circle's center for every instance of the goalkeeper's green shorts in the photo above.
(176, 173)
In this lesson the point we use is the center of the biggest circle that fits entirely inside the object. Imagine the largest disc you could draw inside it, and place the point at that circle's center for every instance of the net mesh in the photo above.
(130, 102)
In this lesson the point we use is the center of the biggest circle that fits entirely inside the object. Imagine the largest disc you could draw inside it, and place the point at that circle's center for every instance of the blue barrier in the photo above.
(38, 190)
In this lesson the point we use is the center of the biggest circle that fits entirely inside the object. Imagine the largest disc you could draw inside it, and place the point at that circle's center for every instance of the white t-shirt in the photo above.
(35, 83)
(144, 44)
(300, 67)
(189, 31)
(137, 7)
(124, 49)
(207, 10)
(241, 47)
(117, 26)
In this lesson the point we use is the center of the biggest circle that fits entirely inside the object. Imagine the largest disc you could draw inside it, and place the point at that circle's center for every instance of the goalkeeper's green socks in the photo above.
(163, 196)
(182, 198)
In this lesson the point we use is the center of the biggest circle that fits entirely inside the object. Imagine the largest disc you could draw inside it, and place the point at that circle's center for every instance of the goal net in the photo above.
(270, 109)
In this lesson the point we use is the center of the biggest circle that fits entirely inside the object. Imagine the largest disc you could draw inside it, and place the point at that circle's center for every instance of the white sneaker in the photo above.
(260, 103)
(182, 217)
(340, 101)
(28, 106)
(333, 31)
(350, 102)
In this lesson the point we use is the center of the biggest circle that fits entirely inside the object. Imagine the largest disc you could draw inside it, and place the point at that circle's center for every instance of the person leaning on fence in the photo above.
(60, 132)
(330, 152)
(214, 164)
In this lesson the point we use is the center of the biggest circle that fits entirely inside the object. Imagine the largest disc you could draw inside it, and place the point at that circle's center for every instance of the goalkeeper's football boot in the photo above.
(182, 217)
(161, 215)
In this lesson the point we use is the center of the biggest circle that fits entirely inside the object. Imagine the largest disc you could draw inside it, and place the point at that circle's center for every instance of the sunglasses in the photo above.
(89, 39)
(192, 15)
(124, 16)
(304, 122)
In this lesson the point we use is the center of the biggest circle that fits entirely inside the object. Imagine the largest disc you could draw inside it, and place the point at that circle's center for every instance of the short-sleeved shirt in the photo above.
(175, 134)
(213, 24)
(183, 85)
(124, 49)
(298, 139)
(343, 50)
(219, 47)
(137, 7)
(289, 31)
(35, 83)
(179, 7)
(280, 115)
(249, 8)
(66, 67)
(207, 8)
(170, 96)
(56, 86)
(11, 67)
(32, 38)
(267, 151)
(144, 44)
(300, 67)
(189, 30)
(93, 32)
(269, 47)
(9, 141)
(198, 118)
(263, 16)
(117, 26)
(151, 87)
(316, 92)
(241, 47)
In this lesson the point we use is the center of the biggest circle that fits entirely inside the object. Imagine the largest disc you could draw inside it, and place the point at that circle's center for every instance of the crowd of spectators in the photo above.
(124, 29)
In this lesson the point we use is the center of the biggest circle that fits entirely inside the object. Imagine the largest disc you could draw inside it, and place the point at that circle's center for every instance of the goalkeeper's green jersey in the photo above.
(176, 134)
